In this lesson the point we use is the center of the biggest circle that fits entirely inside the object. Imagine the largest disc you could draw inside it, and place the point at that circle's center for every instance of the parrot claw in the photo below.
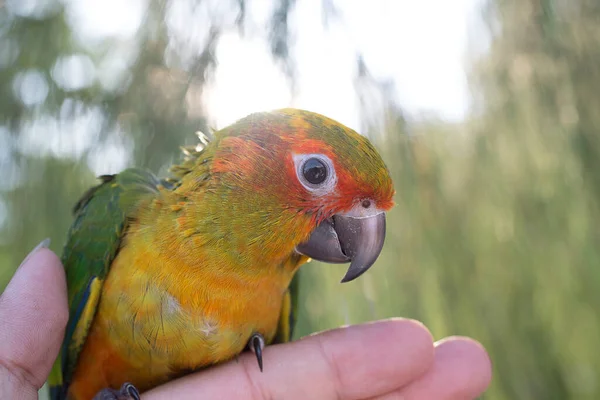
(127, 392)
(256, 345)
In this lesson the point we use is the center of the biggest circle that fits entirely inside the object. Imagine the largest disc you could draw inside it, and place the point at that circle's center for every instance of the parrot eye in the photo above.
(314, 171)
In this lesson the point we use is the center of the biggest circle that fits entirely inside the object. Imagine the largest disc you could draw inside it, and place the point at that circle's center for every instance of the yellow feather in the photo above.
(283, 332)
(87, 315)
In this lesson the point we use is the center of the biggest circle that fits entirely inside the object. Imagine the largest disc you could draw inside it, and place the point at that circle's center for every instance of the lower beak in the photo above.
(342, 239)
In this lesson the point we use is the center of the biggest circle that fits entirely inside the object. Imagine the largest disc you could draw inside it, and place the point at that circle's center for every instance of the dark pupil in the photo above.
(314, 171)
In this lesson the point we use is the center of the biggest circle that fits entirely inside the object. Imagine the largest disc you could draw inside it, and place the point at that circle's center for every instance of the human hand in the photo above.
(33, 316)
(383, 360)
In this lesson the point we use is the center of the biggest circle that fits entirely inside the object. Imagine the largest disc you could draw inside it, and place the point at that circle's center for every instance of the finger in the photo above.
(33, 311)
(462, 370)
(346, 363)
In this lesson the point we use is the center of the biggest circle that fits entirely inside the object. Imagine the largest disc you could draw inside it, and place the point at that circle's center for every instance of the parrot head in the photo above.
(301, 183)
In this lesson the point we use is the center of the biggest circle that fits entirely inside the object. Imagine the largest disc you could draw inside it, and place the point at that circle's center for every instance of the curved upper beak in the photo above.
(343, 239)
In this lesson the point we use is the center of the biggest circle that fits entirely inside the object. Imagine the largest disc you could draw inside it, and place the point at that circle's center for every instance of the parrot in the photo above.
(173, 275)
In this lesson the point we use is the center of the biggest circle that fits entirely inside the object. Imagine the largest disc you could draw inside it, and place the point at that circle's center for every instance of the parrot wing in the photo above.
(93, 241)
(289, 312)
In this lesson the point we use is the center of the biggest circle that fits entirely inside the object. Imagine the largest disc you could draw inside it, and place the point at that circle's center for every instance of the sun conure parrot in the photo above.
(169, 276)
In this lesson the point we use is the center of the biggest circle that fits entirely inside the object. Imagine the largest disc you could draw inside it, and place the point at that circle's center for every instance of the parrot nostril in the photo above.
(366, 203)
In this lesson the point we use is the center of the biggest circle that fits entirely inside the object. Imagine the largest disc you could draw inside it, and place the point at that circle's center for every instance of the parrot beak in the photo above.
(345, 238)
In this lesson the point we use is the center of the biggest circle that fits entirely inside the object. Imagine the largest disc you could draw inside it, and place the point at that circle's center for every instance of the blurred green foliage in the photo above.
(495, 234)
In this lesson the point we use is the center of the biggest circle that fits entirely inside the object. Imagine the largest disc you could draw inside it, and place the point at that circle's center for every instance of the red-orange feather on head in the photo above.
(257, 152)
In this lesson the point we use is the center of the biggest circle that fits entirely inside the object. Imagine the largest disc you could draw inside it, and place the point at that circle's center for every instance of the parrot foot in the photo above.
(256, 345)
(127, 392)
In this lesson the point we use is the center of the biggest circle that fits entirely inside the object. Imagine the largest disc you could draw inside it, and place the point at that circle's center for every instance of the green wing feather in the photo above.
(93, 240)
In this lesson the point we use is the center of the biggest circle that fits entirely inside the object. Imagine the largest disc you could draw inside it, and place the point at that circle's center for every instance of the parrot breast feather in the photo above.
(196, 156)
(92, 243)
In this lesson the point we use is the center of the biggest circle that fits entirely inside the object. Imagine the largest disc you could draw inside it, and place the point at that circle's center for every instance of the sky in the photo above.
(421, 50)
(419, 45)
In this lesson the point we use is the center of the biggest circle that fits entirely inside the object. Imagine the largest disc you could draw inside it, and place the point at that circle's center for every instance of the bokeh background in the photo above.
(486, 111)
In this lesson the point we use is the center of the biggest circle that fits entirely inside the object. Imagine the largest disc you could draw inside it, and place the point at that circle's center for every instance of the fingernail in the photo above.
(43, 245)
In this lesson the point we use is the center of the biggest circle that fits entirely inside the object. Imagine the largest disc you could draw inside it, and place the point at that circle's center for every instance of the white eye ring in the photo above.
(318, 189)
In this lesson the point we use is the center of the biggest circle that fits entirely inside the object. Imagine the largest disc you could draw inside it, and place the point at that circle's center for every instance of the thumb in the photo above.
(33, 315)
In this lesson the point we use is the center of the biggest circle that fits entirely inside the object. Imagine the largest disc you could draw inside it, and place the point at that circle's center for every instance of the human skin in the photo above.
(388, 359)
